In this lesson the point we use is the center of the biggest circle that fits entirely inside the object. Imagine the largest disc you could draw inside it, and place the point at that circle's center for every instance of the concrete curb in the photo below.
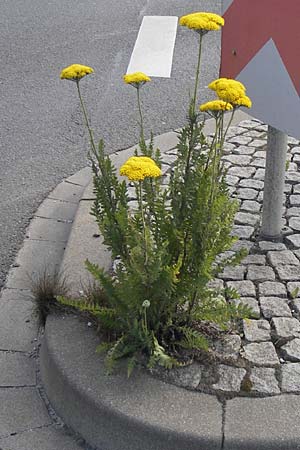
(114, 413)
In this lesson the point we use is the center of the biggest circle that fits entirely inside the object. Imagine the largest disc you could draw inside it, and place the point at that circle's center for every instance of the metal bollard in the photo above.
(274, 184)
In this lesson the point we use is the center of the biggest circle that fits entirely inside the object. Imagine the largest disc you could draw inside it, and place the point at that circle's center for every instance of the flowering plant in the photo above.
(157, 305)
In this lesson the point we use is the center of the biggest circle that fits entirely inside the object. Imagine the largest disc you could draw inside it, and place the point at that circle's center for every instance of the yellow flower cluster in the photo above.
(202, 21)
(137, 168)
(75, 72)
(231, 91)
(216, 105)
(136, 78)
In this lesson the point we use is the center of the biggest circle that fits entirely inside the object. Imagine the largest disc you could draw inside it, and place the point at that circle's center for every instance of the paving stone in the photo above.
(250, 124)
(266, 246)
(251, 302)
(24, 409)
(247, 193)
(18, 325)
(260, 197)
(242, 218)
(255, 133)
(250, 206)
(260, 154)
(288, 273)
(240, 140)
(215, 284)
(269, 423)
(264, 381)
(295, 304)
(292, 167)
(35, 258)
(296, 187)
(242, 244)
(188, 376)
(228, 348)
(292, 177)
(285, 328)
(258, 162)
(256, 330)
(293, 288)
(274, 307)
(244, 150)
(260, 273)
(231, 180)
(234, 131)
(294, 239)
(294, 211)
(47, 438)
(294, 223)
(250, 183)
(229, 148)
(283, 257)
(262, 354)
(260, 174)
(231, 190)
(290, 377)
(288, 188)
(67, 192)
(83, 177)
(233, 273)
(259, 260)
(258, 143)
(297, 253)
(245, 288)
(48, 230)
(57, 209)
(238, 160)
(291, 350)
(272, 288)
(295, 150)
(230, 379)
(294, 200)
(292, 141)
(16, 369)
(242, 231)
(242, 172)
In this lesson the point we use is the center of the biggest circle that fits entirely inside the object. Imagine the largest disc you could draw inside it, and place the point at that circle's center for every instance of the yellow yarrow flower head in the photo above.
(224, 83)
(136, 79)
(243, 101)
(202, 22)
(231, 91)
(216, 105)
(137, 168)
(75, 72)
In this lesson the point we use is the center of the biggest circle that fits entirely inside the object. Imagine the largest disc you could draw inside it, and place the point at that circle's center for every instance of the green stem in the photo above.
(197, 74)
(142, 135)
(86, 119)
(140, 200)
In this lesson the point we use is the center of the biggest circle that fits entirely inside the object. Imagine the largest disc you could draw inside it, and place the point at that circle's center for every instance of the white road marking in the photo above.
(154, 47)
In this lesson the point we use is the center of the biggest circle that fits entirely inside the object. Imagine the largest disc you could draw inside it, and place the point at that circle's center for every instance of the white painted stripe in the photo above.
(154, 47)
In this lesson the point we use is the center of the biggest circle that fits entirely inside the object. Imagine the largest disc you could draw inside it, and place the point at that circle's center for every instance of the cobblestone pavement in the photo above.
(264, 358)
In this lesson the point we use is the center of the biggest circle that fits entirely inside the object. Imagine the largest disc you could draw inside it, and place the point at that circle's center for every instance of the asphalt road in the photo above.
(41, 135)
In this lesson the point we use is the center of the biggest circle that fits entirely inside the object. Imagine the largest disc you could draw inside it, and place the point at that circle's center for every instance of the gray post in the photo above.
(274, 184)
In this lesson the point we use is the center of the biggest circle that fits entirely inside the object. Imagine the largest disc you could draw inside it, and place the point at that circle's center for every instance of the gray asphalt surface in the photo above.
(42, 139)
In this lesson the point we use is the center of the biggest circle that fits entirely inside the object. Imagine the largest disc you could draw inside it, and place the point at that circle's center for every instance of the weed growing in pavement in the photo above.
(158, 305)
(46, 287)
